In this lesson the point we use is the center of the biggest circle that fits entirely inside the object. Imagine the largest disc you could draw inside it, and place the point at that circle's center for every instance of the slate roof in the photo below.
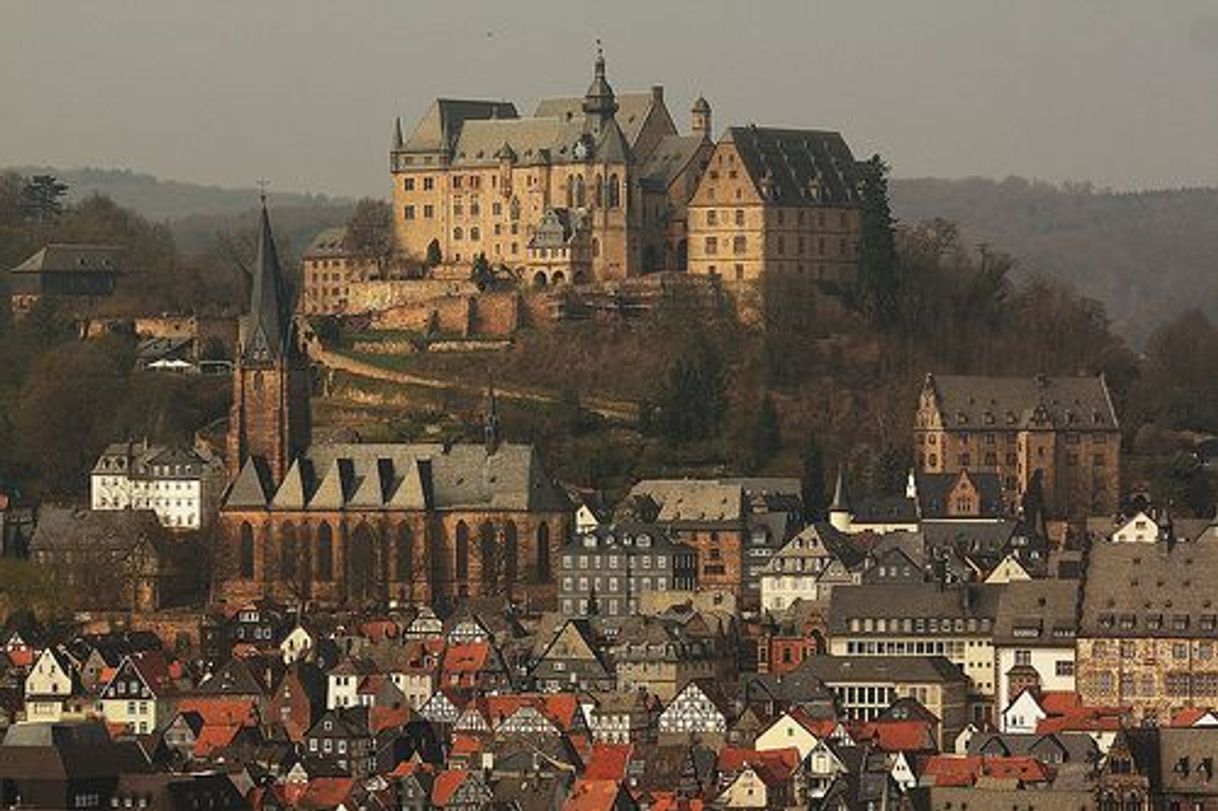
(912, 601)
(693, 501)
(670, 157)
(977, 402)
(405, 477)
(1037, 613)
(266, 329)
(633, 110)
(933, 490)
(1078, 747)
(75, 258)
(788, 165)
(141, 460)
(841, 669)
(1152, 590)
(62, 528)
(441, 125)
(332, 242)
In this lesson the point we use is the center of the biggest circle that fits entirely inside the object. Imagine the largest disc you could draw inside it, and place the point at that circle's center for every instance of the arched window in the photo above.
(403, 556)
(615, 192)
(325, 553)
(543, 553)
(488, 551)
(514, 209)
(247, 551)
(510, 550)
(458, 233)
(475, 233)
(288, 551)
(599, 197)
(581, 196)
(570, 192)
(462, 551)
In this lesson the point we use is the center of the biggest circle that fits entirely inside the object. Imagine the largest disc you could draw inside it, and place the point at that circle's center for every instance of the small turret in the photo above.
(398, 141)
(700, 118)
(600, 103)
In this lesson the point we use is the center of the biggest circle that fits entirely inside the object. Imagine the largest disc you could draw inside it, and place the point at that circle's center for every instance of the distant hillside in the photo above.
(160, 200)
(197, 214)
(1146, 256)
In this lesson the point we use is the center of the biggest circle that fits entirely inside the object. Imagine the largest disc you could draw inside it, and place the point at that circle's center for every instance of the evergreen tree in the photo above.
(813, 480)
(692, 396)
(40, 198)
(434, 256)
(767, 432)
(482, 275)
(877, 292)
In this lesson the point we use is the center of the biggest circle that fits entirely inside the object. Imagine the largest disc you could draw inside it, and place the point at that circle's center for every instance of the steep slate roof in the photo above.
(912, 601)
(633, 110)
(1150, 590)
(1077, 747)
(670, 157)
(266, 329)
(79, 258)
(250, 488)
(1079, 403)
(408, 477)
(1037, 613)
(934, 488)
(441, 126)
(786, 164)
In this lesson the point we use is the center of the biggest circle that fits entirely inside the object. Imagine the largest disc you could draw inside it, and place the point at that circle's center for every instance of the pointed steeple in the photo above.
(269, 321)
(490, 425)
(600, 104)
(841, 502)
(398, 141)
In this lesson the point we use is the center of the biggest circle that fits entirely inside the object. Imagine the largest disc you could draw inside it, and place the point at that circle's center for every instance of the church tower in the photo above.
(269, 421)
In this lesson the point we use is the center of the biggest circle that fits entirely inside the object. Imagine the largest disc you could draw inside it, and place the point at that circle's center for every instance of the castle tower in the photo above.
(269, 420)
(600, 103)
(700, 119)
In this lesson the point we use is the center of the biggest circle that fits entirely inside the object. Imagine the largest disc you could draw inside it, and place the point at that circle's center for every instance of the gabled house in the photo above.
(699, 709)
(342, 739)
(139, 693)
(51, 680)
(572, 660)
(460, 791)
(298, 701)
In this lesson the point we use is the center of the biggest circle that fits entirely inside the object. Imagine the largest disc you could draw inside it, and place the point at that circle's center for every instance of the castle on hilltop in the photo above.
(599, 183)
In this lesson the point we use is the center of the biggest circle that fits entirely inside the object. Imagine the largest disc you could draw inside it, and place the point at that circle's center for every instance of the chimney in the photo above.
(657, 93)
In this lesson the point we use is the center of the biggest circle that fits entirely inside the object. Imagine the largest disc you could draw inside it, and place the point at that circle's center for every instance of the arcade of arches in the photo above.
(358, 559)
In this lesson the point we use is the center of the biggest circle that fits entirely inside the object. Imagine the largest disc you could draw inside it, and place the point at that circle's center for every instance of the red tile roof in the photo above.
(221, 711)
(592, 795)
(213, 737)
(952, 770)
(466, 657)
(446, 784)
(773, 766)
(608, 761)
(897, 736)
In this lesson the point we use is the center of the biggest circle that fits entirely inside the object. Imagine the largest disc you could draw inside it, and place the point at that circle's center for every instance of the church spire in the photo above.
(490, 425)
(268, 323)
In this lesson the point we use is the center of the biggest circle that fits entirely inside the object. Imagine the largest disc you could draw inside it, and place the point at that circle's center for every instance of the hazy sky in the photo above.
(303, 92)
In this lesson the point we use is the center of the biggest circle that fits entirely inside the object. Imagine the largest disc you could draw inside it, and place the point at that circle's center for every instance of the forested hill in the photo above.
(161, 200)
(1147, 256)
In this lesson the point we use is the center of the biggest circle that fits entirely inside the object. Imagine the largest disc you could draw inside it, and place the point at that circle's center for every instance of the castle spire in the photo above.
(600, 102)
(269, 319)
(398, 142)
